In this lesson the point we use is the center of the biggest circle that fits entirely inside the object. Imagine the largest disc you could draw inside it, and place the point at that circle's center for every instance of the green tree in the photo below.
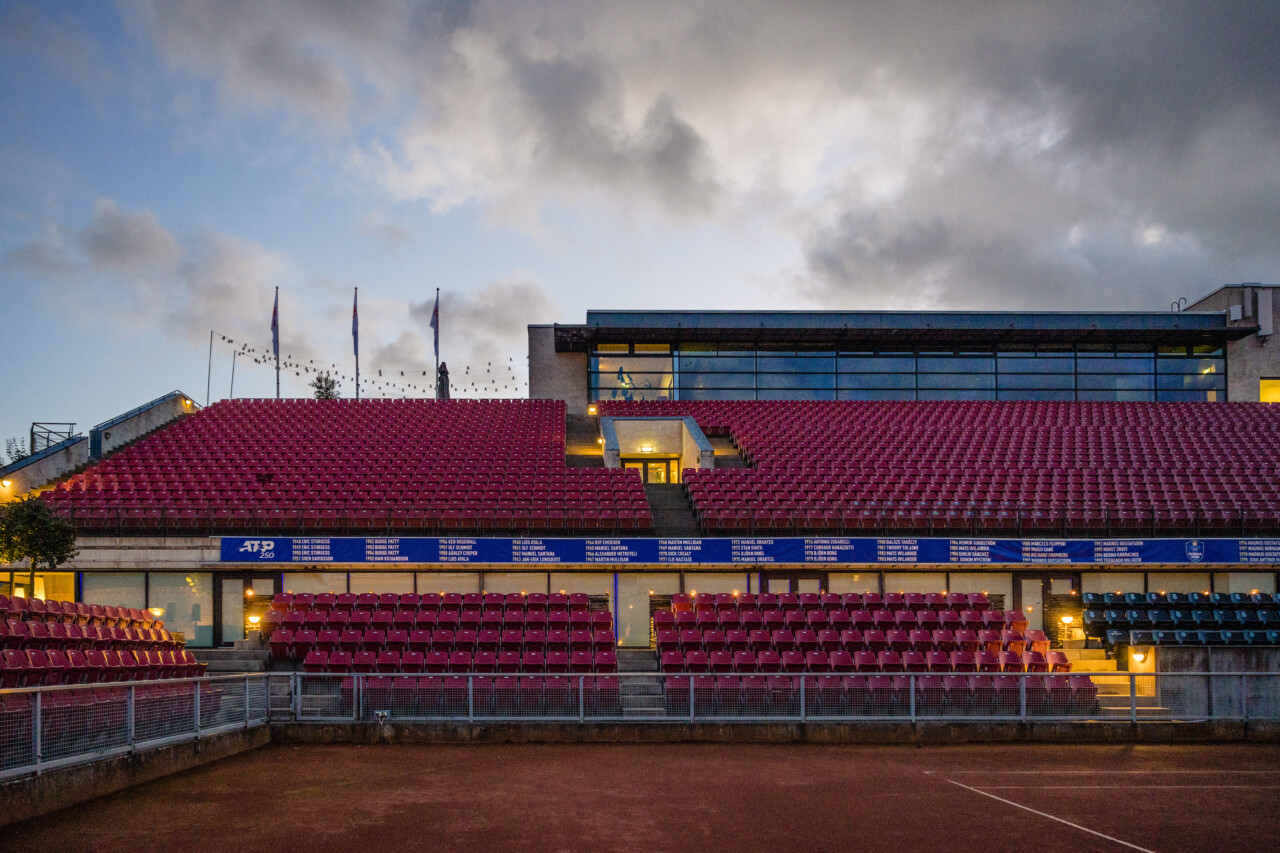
(325, 386)
(29, 530)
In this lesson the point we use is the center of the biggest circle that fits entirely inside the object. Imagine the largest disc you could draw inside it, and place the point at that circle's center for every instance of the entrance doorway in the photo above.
(237, 600)
(1044, 598)
(656, 471)
(794, 582)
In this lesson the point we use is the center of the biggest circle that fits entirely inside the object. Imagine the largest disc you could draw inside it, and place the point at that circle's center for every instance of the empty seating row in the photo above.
(77, 613)
(391, 601)
(290, 645)
(318, 661)
(883, 620)
(864, 661)
(830, 601)
(56, 635)
(1099, 622)
(1194, 638)
(881, 695)
(36, 668)
(1181, 601)
(409, 619)
(852, 640)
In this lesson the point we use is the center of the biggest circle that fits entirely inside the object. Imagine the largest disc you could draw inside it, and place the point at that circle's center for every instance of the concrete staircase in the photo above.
(727, 454)
(672, 515)
(581, 442)
(640, 696)
(1089, 660)
(223, 661)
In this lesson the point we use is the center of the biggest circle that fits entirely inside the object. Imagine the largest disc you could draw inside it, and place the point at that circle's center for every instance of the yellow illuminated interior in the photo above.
(1269, 390)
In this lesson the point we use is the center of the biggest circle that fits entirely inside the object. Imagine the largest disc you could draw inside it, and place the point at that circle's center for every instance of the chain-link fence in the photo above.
(762, 697)
(46, 727)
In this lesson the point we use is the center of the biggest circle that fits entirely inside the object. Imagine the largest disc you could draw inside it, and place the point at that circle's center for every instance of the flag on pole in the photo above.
(275, 326)
(435, 324)
(355, 323)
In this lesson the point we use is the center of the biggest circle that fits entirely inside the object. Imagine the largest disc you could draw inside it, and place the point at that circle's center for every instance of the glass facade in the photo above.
(1138, 373)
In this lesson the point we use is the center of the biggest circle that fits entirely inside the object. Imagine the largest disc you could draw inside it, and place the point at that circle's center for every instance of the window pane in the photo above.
(1115, 381)
(716, 380)
(795, 394)
(723, 364)
(842, 582)
(715, 582)
(873, 394)
(824, 364)
(1116, 396)
(1193, 381)
(876, 380)
(592, 583)
(957, 395)
(796, 380)
(1036, 365)
(187, 602)
(914, 582)
(1033, 380)
(877, 365)
(716, 394)
(1189, 365)
(1188, 396)
(957, 365)
(957, 380)
(1034, 394)
(122, 589)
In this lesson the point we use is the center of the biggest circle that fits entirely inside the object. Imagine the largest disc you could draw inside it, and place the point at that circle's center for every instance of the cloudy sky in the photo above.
(165, 166)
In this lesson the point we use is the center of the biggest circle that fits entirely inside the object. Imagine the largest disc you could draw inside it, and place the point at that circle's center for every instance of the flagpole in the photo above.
(437, 334)
(208, 379)
(356, 341)
(277, 349)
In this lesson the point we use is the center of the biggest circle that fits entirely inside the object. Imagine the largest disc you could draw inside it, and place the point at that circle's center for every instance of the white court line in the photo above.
(1124, 787)
(1103, 772)
(1051, 817)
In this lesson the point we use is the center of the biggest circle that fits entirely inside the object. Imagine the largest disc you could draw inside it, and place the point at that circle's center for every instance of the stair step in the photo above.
(635, 702)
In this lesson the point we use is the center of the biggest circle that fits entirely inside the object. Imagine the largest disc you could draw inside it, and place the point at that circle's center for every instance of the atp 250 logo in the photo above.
(264, 548)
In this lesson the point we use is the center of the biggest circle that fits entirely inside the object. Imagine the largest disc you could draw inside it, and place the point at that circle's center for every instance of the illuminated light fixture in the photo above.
(984, 592)
(1067, 620)
(1253, 592)
(591, 410)
(522, 592)
(646, 448)
(186, 402)
(6, 483)
(254, 620)
(600, 440)
(1030, 609)
(562, 592)
(651, 592)
(1162, 592)
(693, 592)
(1139, 657)
(1206, 592)
(736, 593)
(156, 611)
(248, 593)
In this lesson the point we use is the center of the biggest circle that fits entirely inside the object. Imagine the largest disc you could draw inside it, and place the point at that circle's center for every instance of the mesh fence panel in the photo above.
(325, 697)
(222, 703)
(70, 724)
(258, 700)
(17, 747)
(162, 710)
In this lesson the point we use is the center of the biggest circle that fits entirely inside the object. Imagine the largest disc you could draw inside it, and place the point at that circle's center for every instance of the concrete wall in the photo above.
(1203, 696)
(1251, 358)
(695, 449)
(23, 799)
(26, 476)
(556, 375)
(112, 435)
(141, 554)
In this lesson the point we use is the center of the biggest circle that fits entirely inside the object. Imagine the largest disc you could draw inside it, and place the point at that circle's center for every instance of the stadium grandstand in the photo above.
(723, 516)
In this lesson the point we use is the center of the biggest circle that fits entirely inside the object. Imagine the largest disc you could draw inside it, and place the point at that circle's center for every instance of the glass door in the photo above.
(238, 600)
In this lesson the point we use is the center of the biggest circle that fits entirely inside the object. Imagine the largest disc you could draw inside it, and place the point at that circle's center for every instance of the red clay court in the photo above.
(1171, 799)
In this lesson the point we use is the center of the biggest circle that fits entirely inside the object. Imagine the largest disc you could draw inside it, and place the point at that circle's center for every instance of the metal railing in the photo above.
(42, 728)
(774, 697)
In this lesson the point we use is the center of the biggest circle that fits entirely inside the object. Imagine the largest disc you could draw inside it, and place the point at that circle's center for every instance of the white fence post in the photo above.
(36, 746)
(1133, 697)
(195, 693)
(131, 713)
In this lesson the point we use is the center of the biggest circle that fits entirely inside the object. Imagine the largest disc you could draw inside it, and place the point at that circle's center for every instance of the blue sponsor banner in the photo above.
(756, 552)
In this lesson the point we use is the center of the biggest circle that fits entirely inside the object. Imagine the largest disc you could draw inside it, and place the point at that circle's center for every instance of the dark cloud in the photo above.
(128, 242)
(62, 45)
(957, 154)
